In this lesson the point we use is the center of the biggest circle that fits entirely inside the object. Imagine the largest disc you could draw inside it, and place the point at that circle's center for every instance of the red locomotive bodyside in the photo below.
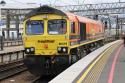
(94, 29)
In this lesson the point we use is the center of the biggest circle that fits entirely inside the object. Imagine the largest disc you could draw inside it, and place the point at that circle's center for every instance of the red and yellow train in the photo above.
(54, 39)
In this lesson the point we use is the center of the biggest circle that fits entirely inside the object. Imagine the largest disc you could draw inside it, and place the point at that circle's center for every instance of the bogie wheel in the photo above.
(74, 58)
(75, 55)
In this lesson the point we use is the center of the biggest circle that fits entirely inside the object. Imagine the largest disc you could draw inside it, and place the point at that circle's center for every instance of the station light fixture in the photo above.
(2, 2)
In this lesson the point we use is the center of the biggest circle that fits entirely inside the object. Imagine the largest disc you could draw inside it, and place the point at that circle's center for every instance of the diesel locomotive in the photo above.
(54, 39)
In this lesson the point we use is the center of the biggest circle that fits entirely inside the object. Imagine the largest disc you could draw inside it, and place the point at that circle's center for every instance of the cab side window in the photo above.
(72, 27)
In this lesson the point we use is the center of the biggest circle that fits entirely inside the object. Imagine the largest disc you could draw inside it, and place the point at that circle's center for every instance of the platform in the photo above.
(11, 49)
(109, 69)
(9, 54)
(104, 65)
(114, 70)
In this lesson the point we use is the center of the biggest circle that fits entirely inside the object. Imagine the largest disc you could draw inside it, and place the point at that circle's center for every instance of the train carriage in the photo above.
(53, 39)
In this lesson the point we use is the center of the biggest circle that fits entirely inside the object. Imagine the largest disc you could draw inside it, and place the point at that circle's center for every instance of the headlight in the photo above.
(27, 50)
(62, 50)
(30, 50)
(59, 49)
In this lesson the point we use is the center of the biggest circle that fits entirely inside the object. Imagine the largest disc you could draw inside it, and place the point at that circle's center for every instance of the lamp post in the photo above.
(2, 3)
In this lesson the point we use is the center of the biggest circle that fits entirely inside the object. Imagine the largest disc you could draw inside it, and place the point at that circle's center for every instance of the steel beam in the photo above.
(95, 9)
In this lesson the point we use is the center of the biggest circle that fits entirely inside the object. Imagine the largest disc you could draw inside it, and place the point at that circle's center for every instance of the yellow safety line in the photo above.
(92, 65)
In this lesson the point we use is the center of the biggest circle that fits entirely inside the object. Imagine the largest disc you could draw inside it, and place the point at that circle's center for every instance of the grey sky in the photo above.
(22, 3)
(61, 1)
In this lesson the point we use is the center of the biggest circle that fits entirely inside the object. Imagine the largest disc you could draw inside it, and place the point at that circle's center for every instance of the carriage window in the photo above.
(34, 27)
(72, 27)
(57, 26)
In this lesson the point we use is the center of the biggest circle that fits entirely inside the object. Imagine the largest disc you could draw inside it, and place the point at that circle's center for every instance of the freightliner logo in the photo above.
(46, 41)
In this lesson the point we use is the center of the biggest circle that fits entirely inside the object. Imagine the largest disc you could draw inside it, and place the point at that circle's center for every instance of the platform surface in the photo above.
(89, 68)
(114, 70)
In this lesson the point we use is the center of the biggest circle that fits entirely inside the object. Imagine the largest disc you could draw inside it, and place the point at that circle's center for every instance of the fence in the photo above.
(13, 43)
(5, 43)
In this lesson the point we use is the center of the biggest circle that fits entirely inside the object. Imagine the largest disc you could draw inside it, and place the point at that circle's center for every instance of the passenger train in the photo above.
(53, 39)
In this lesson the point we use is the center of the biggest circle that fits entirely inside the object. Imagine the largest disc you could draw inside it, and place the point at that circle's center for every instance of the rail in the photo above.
(74, 72)
(11, 63)
(7, 70)
(36, 80)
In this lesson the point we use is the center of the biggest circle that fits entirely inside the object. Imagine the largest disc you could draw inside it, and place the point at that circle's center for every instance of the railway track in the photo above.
(36, 80)
(24, 77)
(10, 69)
(43, 79)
